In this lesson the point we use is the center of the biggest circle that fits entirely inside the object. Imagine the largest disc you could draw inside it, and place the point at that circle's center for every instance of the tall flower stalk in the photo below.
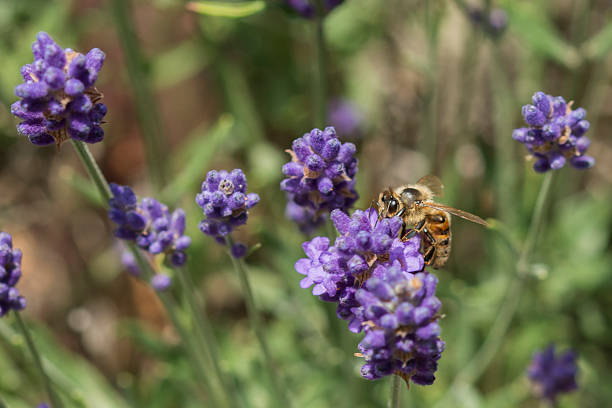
(225, 203)
(198, 356)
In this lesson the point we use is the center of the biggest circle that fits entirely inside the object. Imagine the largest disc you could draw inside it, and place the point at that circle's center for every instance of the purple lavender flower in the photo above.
(345, 117)
(225, 203)
(129, 262)
(365, 242)
(552, 375)
(307, 8)
(10, 272)
(58, 99)
(161, 282)
(555, 134)
(320, 176)
(149, 224)
(401, 315)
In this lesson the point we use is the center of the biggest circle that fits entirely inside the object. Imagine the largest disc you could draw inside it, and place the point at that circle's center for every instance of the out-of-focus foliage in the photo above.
(437, 95)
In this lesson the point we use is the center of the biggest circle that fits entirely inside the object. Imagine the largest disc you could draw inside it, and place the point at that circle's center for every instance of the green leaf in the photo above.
(531, 22)
(194, 158)
(232, 10)
(599, 45)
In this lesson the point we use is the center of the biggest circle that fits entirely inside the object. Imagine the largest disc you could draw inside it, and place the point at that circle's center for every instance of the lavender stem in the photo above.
(255, 320)
(199, 361)
(320, 87)
(396, 386)
(55, 400)
(204, 332)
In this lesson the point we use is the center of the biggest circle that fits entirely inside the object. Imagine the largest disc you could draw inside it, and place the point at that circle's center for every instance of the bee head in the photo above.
(389, 205)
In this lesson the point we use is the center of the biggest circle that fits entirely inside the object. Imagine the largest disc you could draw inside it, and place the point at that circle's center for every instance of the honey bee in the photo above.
(414, 204)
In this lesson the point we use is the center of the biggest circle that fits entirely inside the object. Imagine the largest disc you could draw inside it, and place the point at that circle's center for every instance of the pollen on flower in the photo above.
(225, 203)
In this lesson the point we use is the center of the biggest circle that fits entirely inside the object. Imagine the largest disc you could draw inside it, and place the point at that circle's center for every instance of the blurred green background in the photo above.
(435, 92)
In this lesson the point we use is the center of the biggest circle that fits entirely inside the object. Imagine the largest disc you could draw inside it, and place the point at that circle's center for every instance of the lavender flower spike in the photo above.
(556, 133)
(149, 224)
(10, 272)
(336, 271)
(320, 176)
(225, 203)
(58, 98)
(553, 375)
(401, 326)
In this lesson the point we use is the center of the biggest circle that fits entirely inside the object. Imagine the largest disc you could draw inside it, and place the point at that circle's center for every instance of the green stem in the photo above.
(55, 400)
(204, 332)
(253, 314)
(494, 340)
(94, 171)
(99, 180)
(196, 358)
(146, 107)
(320, 87)
(396, 386)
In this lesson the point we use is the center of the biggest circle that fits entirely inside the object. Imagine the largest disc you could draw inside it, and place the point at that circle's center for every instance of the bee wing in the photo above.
(459, 213)
(433, 183)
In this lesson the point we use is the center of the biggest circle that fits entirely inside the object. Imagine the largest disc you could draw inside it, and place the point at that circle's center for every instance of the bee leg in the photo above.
(428, 257)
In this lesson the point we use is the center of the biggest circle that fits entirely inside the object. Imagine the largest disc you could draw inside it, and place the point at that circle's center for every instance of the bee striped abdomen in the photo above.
(436, 248)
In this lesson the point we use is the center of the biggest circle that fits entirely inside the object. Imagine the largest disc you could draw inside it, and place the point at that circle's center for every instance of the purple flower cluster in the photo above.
(555, 134)
(364, 243)
(552, 375)
(149, 224)
(402, 335)
(380, 287)
(10, 272)
(225, 203)
(59, 99)
(307, 8)
(320, 176)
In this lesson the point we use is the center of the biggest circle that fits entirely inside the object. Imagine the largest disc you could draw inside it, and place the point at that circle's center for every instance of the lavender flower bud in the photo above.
(320, 177)
(225, 203)
(161, 282)
(555, 134)
(58, 95)
(149, 224)
(552, 375)
(10, 272)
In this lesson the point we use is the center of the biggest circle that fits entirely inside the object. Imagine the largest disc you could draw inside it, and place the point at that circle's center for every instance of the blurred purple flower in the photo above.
(307, 8)
(225, 203)
(552, 375)
(161, 282)
(10, 272)
(555, 134)
(345, 118)
(320, 176)
(58, 99)
(494, 23)
(149, 224)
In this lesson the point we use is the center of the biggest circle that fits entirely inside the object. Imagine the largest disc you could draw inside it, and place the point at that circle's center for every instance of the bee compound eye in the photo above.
(392, 206)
